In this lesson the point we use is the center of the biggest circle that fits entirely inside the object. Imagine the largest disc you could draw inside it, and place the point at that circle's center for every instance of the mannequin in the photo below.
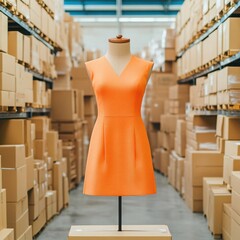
(119, 159)
(118, 53)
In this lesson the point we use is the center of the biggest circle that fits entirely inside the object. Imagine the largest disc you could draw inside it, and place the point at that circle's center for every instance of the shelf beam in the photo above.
(231, 61)
(27, 114)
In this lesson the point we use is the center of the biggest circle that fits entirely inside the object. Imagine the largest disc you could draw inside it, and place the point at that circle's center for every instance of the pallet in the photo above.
(212, 107)
(229, 54)
(216, 236)
(229, 107)
(8, 5)
(20, 109)
(36, 105)
(45, 6)
(9, 109)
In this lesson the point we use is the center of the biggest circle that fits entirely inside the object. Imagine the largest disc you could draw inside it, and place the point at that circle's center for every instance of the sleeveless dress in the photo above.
(119, 161)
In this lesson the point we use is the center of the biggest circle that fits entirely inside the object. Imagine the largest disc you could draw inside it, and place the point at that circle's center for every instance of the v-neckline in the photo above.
(124, 69)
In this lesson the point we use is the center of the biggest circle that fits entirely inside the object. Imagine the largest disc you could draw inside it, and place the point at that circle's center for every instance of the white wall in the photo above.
(95, 36)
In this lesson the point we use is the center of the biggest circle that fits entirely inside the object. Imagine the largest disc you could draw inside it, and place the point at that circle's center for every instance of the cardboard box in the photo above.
(30, 172)
(33, 199)
(0, 174)
(156, 110)
(26, 49)
(208, 183)
(27, 235)
(79, 73)
(231, 128)
(65, 191)
(168, 141)
(39, 222)
(64, 105)
(235, 226)
(85, 85)
(52, 144)
(204, 164)
(7, 82)
(231, 163)
(40, 148)
(7, 63)
(7, 234)
(230, 30)
(7, 98)
(232, 148)
(169, 54)
(70, 127)
(169, 122)
(15, 182)
(13, 156)
(16, 131)
(218, 196)
(235, 180)
(58, 184)
(41, 126)
(3, 209)
(179, 92)
(89, 105)
(236, 201)
(15, 45)
(15, 210)
(226, 223)
(228, 78)
(4, 32)
(21, 225)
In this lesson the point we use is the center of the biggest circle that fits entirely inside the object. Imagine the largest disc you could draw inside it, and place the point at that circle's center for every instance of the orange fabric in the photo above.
(119, 159)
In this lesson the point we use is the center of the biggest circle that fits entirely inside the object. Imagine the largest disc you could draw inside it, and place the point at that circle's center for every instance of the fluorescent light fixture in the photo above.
(147, 19)
(131, 7)
(125, 19)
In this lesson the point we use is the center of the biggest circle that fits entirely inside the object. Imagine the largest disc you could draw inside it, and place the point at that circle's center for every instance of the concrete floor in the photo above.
(165, 208)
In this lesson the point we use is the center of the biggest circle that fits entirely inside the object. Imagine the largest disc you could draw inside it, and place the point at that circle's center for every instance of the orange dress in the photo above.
(119, 160)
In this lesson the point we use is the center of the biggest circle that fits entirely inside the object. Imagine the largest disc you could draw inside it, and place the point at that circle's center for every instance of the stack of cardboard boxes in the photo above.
(153, 107)
(203, 158)
(222, 41)
(175, 109)
(177, 157)
(71, 133)
(27, 180)
(17, 173)
(5, 233)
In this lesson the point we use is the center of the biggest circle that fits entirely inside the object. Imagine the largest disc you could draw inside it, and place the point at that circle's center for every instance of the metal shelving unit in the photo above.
(14, 23)
(18, 24)
(30, 112)
(233, 12)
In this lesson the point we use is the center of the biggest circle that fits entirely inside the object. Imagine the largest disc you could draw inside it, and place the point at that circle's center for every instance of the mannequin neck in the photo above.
(118, 50)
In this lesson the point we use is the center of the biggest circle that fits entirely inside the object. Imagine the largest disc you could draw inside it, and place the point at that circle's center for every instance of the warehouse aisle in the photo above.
(166, 207)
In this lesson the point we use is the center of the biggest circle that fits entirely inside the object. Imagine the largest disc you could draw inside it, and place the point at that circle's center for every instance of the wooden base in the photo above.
(110, 232)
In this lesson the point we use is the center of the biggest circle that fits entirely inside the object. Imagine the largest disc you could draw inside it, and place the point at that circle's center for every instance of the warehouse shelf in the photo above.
(29, 112)
(214, 113)
(233, 12)
(18, 24)
(40, 77)
(231, 61)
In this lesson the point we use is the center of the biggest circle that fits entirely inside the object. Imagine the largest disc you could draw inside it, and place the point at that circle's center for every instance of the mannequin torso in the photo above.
(118, 55)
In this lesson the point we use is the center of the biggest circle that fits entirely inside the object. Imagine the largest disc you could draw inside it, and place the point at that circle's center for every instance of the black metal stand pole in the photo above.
(120, 213)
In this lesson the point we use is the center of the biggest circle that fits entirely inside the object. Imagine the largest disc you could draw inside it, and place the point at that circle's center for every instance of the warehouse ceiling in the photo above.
(123, 10)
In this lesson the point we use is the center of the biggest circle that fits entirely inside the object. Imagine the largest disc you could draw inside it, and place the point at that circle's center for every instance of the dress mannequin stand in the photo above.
(119, 55)
(131, 156)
